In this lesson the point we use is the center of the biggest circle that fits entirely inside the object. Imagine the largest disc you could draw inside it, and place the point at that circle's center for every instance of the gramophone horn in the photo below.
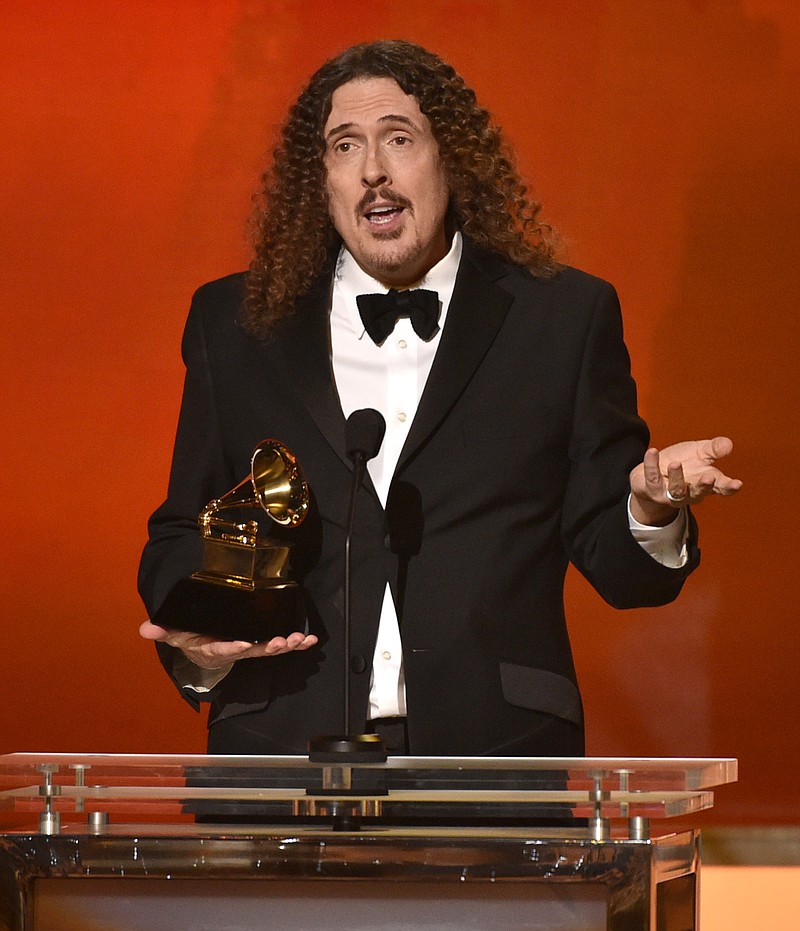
(275, 484)
(278, 483)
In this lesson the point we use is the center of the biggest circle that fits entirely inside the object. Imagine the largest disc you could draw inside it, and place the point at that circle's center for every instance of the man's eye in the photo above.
(344, 146)
(400, 140)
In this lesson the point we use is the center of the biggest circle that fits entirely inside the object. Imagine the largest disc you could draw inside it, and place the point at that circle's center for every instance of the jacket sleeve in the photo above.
(198, 474)
(608, 439)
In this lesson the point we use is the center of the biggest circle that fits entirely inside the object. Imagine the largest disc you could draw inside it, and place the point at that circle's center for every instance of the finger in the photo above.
(295, 641)
(275, 646)
(284, 644)
(308, 641)
(652, 470)
(677, 489)
(230, 649)
(278, 645)
(718, 447)
(212, 654)
(300, 641)
(729, 487)
(151, 631)
(209, 646)
(715, 482)
(707, 481)
(175, 638)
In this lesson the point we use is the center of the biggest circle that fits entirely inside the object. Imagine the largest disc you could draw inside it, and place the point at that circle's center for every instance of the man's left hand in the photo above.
(682, 474)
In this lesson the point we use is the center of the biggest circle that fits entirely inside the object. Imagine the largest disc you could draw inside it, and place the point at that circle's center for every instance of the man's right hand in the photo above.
(208, 653)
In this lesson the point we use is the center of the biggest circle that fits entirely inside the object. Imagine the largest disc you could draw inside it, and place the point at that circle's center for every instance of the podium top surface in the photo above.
(420, 789)
(665, 772)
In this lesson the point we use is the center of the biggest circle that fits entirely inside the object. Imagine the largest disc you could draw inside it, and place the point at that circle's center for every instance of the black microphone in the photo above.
(363, 434)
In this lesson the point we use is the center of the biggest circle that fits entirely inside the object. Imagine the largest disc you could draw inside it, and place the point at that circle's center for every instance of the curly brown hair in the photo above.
(294, 237)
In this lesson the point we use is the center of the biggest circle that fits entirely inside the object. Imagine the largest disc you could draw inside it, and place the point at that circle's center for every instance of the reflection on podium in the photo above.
(444, 843)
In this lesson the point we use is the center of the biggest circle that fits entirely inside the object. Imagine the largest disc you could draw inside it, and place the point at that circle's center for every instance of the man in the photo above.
(513, 445)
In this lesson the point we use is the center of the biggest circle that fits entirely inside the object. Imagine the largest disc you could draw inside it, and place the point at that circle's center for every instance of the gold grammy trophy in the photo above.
(245, 590)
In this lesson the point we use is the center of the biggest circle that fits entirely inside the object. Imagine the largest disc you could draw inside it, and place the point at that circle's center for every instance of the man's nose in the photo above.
(375, 172)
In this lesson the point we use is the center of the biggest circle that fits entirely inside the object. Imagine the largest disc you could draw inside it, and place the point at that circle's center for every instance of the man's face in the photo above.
(387, 193)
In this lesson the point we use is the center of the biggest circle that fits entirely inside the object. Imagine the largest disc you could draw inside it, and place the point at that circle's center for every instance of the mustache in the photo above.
(383, 194)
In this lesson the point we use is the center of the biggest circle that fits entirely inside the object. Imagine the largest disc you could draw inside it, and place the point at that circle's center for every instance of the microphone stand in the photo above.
(359, 464)
(364, 434)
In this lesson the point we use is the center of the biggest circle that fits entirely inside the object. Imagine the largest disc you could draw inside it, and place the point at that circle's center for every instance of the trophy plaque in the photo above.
(245, 590)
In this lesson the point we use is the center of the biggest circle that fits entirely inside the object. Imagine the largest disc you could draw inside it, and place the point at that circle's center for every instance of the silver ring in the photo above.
(674, 499)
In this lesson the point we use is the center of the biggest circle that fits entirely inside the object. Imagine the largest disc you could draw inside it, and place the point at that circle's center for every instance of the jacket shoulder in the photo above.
(571, 277)
(229, 291)
(212, 328)
(566, 280)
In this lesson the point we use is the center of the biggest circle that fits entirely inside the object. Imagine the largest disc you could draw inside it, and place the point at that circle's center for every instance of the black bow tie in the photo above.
(380, 312)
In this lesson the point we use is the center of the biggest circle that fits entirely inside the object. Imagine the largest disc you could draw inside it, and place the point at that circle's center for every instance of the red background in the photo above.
(661, 137)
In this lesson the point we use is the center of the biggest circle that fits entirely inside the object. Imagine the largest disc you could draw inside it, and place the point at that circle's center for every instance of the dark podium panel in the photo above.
(157, 842)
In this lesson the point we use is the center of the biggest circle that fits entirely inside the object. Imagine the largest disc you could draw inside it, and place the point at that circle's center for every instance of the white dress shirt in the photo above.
(389, 378)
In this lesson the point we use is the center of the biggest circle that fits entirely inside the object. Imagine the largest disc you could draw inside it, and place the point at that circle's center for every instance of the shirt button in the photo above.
(402, 344)
(401, 416)
(386, 654)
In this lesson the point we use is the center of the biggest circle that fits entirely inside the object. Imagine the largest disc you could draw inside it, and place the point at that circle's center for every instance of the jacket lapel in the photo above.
(302, 350)
(477, 311)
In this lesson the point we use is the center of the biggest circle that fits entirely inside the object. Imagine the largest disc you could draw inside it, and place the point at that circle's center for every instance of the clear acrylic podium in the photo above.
(151, 842)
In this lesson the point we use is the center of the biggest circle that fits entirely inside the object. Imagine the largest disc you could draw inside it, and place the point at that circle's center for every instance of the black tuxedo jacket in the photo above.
(516, 463)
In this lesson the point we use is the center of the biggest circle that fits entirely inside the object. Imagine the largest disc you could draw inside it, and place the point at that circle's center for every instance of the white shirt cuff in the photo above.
(667, 545)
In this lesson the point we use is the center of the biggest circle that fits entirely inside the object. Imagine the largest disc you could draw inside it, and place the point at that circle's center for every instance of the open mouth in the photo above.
(383, 215)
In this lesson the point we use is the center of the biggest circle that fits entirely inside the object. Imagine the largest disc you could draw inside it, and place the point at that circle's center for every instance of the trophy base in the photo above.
(228, 613)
